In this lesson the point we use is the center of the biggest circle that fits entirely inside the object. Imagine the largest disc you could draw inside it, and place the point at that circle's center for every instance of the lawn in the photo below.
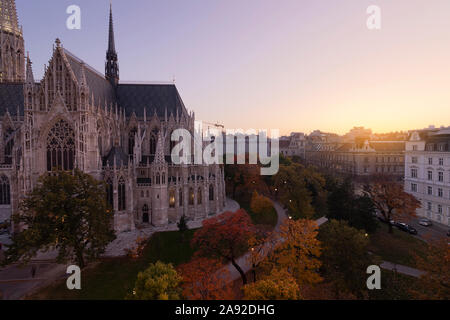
(398, 247)
(113, 278)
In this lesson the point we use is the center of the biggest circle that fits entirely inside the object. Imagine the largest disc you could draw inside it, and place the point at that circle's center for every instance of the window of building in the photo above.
(180, 198)
(145, 215)
(172, 199)
(414, 160)
(153, 140)
(429, 206)
(441, 161)
(439, 209)
(430, 175)
(430, 190)
(199, 196)
(430, 161)
(413, 187)
(441, 176)
(121, 194)
(413, 173)
(61, 147)
(191, 197)
(440, 192)
(414, 147)
(211, 192)
(5, 191)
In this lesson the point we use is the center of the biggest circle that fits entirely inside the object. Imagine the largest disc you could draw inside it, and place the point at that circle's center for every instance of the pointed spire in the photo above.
(8, 17)
(83, 82)
(159, 153)
(29, 74)
(111, 65)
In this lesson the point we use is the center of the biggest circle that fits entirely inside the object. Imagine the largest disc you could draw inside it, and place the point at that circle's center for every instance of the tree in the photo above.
(344, 204)
(225, 237)
(297, 251)
(279, 285)
(345, 257)
(292, 191)
(67, 212)
(434, 284)
(159, 281)
(260, 204)
(205, 279)
(390, 200)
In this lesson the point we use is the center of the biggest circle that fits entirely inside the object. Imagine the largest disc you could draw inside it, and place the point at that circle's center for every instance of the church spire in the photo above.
(8, 17)
(111, 66)
(12, 46)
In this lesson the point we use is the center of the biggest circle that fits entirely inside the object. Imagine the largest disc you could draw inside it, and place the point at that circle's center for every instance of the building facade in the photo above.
(294, 145)
(76, 117)
(427, 172)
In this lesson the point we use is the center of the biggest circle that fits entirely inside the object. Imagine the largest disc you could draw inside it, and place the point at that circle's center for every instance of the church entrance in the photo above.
(145, 216)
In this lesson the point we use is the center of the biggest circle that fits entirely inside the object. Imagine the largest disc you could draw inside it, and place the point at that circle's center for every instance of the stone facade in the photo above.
(76, 117)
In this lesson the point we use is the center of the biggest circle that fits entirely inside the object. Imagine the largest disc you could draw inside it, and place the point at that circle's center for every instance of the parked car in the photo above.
(406, 227)
(448, 233)
(425, 222)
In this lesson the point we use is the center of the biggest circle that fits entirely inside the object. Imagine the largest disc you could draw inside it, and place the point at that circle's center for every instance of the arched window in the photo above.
(199, 196)
(172, 199)
(121, 192)
(8, 151)
(5, 193)
(180, 197)
(153, 140)
(131, 141)
(145, 215)
(110, 193)
(191, 196)
(211, 192)
(61, 147)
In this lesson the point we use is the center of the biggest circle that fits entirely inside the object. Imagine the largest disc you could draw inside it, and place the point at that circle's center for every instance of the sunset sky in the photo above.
(293, 65)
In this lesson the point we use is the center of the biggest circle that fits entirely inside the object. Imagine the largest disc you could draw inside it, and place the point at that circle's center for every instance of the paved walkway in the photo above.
(127, 240)
(245, 261)
(402, 269)
(16, 280)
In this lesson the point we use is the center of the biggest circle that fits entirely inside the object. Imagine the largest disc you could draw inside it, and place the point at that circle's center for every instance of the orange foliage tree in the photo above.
(434, 284)
(279, 285)
(391, 201)
(225, 237)
(205, 279)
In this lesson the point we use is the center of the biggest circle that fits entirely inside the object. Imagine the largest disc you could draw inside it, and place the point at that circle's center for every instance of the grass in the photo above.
(113, 278)
(394, 286)
(398, 247)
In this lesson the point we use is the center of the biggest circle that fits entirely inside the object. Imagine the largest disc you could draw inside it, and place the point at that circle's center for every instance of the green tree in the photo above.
(159, 281)
(67, 212)
(345, 257)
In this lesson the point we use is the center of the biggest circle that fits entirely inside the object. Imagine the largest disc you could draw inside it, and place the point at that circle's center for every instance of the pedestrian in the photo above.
(33, 271)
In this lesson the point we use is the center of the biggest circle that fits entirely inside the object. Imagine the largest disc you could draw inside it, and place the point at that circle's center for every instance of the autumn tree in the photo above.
(159, 281)
(434, 284)
(297, 251)
(390, 199)
(205, 279)
(66, 212)
(262, 210)
(225, 237)
(345, 258)
(278, 285)
(292, 192)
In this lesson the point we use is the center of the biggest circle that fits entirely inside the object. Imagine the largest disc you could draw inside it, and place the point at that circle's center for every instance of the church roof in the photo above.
(11, 97)
(99, 86)
(137, 97)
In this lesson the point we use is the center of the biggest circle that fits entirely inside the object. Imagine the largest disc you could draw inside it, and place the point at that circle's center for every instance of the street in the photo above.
(434, 232)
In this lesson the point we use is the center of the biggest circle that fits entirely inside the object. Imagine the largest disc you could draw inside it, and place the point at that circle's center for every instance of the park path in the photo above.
(245, 260)
(246, 265)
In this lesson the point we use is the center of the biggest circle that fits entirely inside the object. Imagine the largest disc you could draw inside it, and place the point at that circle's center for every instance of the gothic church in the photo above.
(76, 117)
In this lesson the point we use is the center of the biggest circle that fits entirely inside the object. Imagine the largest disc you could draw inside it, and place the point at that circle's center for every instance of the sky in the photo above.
(292, 65)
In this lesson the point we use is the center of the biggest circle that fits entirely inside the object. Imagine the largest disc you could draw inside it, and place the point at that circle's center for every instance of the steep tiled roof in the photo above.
(101, 88)
(11, 97)
(137, 97)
